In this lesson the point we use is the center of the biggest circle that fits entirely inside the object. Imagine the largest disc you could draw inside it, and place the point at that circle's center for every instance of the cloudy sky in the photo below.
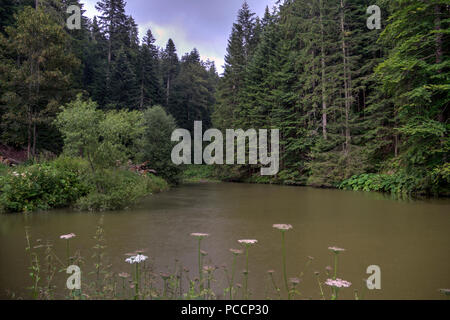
(201, 24)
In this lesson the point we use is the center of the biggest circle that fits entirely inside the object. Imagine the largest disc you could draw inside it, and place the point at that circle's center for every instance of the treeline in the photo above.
(44, 65)
(347, 100)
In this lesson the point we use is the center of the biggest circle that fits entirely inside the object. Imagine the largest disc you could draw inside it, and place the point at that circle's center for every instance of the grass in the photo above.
(199, 174)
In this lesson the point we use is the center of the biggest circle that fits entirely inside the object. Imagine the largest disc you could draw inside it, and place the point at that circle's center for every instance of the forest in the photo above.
(356, 108)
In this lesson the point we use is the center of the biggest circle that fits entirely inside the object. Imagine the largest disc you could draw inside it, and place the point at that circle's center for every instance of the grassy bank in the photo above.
(435, 183)
(70, 182)
(200, 174)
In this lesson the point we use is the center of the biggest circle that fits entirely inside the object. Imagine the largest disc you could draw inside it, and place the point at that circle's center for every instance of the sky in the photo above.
(202, 24)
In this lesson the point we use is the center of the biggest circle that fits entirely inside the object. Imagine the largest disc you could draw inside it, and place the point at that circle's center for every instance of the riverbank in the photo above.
(399, 183)
(70, 182)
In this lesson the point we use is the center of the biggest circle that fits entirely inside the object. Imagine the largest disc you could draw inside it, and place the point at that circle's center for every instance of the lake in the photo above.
(408, 239)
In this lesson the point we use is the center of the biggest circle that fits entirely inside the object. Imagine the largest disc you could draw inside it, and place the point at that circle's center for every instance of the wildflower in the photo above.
(294, 281)
(136, 259)
(200, 235)
(336, 249)
(124, 275)
(67, 236)
(164, 276)
(15, 174)
(236, 251)
(248, 241)
(271, 272)
(338, 283)
(209, 269)
(445, 291)
(328, 268)
(203, 253)
(282, 227)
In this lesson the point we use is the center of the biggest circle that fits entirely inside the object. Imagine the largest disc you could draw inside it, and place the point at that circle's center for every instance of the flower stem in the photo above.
(136, 285)
(200, 276)
(335, 265)
(246, 274)
(283, 244)
(233, 269)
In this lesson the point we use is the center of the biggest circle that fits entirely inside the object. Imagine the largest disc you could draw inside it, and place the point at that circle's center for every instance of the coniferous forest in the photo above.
(357, 108)
(90, 104)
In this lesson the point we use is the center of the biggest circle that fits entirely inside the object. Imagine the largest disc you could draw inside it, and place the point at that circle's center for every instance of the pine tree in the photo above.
(170, 66)
(37, 72)
(124, 86)
(241, 46)
(151, 92)
(415, 75)
(193, 93)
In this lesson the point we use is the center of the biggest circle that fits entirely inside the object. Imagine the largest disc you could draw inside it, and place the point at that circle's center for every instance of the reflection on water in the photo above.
(408, 239)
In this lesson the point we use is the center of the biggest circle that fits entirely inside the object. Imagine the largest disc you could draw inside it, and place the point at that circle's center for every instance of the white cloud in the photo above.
(89, 6)
(182, 42)
(162, 33)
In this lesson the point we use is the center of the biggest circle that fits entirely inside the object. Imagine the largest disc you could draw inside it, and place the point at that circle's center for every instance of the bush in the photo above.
(3, 169)
(395, 183)
(43, 186)
(157, 144)
(118, 189)
(196, 173)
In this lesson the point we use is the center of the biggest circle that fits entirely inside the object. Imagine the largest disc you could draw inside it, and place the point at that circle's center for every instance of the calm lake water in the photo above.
(408, 239)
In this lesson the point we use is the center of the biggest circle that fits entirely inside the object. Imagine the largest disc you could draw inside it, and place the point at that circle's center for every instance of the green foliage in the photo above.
(118, 189)
(199, 173)
(68, 182)
(157, 147)
(102, 138)
(43, 186)
(37, 70)
(401, 183)
(347, 100)
(3, 169)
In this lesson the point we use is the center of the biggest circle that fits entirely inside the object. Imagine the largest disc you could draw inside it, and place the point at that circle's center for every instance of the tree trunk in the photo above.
(141, 104)
(168, 90)
(346, 81)
(29, 134)
(34, 139)
(324, 98)
(437, 24)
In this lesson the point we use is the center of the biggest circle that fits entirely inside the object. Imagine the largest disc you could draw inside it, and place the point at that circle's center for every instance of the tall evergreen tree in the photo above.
(149, 73)
(170, 64)
(37, 71)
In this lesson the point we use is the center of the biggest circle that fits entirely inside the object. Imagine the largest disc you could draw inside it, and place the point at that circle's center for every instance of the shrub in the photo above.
(196, 173)
(43, 186)
(395, 183)
(118, 189)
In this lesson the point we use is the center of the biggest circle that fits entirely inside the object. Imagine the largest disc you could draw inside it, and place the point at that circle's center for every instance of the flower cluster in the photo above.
(336, 249)
(338, 283)
(200, 235)
(282, 227)
(67, 236)
(136, 259)
(248, 241)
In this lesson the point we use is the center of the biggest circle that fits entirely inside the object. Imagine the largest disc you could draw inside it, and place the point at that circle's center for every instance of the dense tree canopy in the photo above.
(348, 100)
